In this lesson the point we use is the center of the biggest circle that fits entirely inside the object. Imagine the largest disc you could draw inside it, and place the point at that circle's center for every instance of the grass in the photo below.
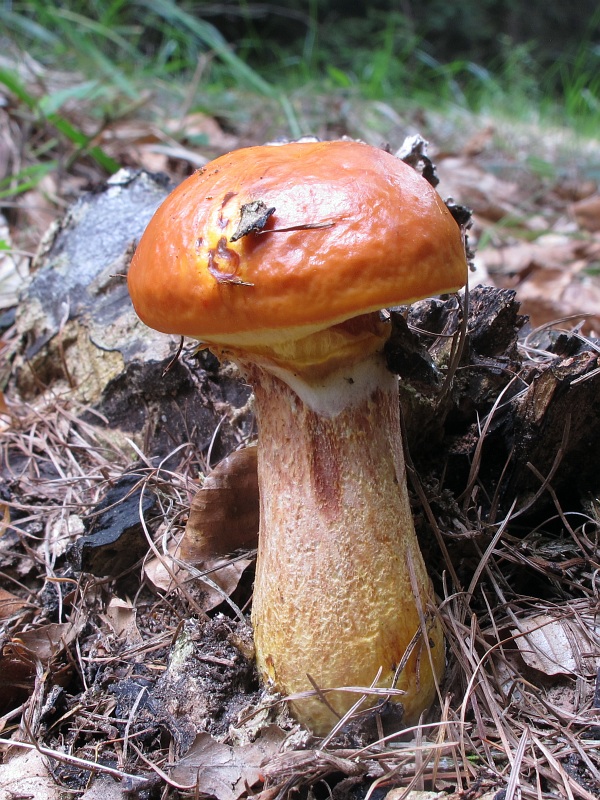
(126, 45)
(119, 54)
(126, 54)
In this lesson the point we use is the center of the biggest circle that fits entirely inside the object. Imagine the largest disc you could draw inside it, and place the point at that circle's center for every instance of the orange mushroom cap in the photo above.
(353, 230)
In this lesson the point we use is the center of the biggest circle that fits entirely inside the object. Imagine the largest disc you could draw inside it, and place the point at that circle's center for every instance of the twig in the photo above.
(137, 781)
(570, 784)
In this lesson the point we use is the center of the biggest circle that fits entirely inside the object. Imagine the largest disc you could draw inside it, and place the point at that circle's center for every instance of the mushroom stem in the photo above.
(341, 591)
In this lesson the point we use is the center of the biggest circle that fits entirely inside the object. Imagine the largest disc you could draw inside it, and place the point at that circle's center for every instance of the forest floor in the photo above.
(127, 672)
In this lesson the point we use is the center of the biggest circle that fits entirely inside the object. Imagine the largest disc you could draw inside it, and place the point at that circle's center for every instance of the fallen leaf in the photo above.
(550, 252)
(558, 646)
(549, 276)
(200, 129)
(587, 213)
(479, 141)
(574, 189)
(18, 675)
(548, 295)
(47, 641)
(222, 771)
(223, 572)
(9, 603)
(223, 518)
(106, 788)
(26, 775)
(121, 616)
(162, 572)
(226, 575)
(224, 515)
(128, 140)
(20, 656)
(490, 197)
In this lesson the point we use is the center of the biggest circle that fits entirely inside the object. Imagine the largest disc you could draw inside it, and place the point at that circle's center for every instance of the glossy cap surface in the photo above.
(353, 230)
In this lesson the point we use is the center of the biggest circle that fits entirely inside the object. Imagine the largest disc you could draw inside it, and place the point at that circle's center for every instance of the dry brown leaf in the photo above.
(198, 126)
(9, 603)
(549, 276)
(225, 772)
(127, 136)
(121, 616)
(549, 252)
(575, 188)
(135, 141)
(171, 152)
(558, 646)
(221, 571)
(25, 775)
(587, 213)
(106, 788)
(46, 642)
(128, 132)
(163, 579)
(490, 197)
(151, 160)
(224, 515)
(226, 574)
(17, 680)
(148, 145)
(479, 141)
(549, 295)
(20, 656)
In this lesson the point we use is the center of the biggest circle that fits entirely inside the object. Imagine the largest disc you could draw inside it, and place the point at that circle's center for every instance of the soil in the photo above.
(116, 651)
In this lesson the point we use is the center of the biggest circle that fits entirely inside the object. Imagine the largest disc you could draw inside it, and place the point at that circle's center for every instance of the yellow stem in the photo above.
(338, 559)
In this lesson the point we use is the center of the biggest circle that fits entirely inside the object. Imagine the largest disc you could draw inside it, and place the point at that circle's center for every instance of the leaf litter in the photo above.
(141, 673)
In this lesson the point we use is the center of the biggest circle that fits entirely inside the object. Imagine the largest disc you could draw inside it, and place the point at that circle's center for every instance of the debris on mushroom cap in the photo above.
(268, 244)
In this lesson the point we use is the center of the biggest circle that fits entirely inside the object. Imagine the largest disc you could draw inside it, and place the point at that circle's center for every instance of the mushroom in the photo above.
(280, 258)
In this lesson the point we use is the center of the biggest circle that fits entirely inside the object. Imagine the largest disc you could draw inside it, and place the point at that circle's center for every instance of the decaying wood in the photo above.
(78, 335)
(522, 409)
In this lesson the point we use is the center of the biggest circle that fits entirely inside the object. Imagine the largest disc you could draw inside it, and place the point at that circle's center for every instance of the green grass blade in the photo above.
(23, 25)
(73, 134)
(14, 85)
(80, 139)
(100, 29)
(28, 178)
(211, 38)
(51, 103)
